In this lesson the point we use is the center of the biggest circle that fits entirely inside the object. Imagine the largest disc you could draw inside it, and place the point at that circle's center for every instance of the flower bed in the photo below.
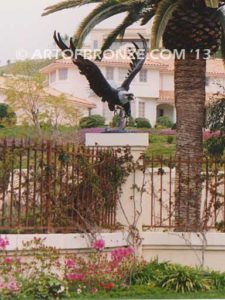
(46, 275)
(41, 272)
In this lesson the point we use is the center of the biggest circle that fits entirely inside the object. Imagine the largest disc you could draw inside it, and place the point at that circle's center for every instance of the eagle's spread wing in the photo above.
(90, 70)
(97, 81)
(136, 63)
(69, 51)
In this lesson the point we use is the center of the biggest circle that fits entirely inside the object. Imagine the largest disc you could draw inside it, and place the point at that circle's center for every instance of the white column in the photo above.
(130, 206)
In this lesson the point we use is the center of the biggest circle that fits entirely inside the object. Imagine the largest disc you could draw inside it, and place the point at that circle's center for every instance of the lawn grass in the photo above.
(29, 132)
(159, 145)
(149, 292)
(17, 132)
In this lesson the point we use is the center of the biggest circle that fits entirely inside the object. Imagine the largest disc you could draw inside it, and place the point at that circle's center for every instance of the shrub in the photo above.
(115, 122)
(150, 272)
(215, 146)
(174, 126)
(45, 287)
(131, 122)
(169, 139)
(184, 279)
(99, 272)
(7, 116)
(215, 115)
(164, 122)
(92, 121)
(47, 276)
(142, 123)
(218, 279)
(172, 276)
(220, 226)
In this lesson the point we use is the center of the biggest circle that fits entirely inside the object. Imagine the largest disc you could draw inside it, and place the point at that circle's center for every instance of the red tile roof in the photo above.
(214, 66)
(71, 98)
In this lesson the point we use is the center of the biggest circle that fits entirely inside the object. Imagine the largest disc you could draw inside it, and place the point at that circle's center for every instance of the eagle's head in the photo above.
(125, 97)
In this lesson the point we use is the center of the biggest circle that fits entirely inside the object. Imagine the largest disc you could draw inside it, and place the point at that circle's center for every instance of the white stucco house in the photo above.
(98, 35)
(153, 86)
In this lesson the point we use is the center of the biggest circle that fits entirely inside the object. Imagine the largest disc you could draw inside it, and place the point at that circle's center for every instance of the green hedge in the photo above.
(164, 122)
(92, 121)
(142, 123)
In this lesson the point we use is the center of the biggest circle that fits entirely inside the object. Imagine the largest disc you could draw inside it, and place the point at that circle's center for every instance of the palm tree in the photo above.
(196, 26)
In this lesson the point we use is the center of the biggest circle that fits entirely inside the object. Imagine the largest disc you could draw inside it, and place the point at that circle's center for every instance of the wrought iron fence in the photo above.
(46, 187)
(164, 185)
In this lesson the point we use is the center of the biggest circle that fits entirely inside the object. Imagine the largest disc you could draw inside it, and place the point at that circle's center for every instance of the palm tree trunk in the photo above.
(190, 74)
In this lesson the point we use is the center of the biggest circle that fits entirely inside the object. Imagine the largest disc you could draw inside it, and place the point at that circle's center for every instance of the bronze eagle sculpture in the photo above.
(115, 97)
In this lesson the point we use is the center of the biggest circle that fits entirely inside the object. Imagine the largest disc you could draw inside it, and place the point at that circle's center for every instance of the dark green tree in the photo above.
(7, 115)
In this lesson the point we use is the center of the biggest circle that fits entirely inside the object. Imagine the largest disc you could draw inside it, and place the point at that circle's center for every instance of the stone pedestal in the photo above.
(117, 139)
(129, 212)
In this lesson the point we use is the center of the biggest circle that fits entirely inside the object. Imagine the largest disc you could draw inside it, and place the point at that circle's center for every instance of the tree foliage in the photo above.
(216, 115)
(7, 115)
(215, 145)
(33, 104)
(136, 10)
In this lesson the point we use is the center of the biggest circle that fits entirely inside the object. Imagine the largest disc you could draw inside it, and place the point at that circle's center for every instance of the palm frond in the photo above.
(99, 14)
(212, 3)
(147, 16)
(221, 15)
(148, 11)
(131, 18)
(66, 5)
(162, 15)
(222, 47)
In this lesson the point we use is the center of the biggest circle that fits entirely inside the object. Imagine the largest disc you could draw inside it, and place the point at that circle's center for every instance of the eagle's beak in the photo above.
(131, 97)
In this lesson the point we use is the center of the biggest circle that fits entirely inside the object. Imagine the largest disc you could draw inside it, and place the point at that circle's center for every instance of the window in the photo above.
(141, 108)
(161, 112)
(109, 73)
(143, 76)
(122, 74)
(52, 77)
(63, 74)
(95, 44)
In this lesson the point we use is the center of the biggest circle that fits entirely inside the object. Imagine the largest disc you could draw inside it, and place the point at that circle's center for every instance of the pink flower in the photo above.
(130, 251)
(3, 243)
(58, 264)
(109, 286)
(98, 245)
(18, 260)
(74, 276)
(119, 254)
(122, 252)
(13, 286)
(70, 263)
(2, 285)
(8, 260)
(94, 290)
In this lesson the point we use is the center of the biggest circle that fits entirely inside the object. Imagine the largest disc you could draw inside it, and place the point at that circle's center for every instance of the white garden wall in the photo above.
(133, 212)
(186, 249)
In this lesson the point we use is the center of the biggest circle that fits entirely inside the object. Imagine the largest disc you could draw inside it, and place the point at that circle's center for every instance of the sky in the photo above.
(24, 32)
